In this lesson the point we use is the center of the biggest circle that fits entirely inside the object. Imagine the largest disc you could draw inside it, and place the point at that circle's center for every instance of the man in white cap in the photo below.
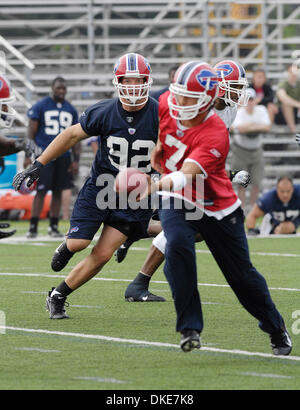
(250, 124)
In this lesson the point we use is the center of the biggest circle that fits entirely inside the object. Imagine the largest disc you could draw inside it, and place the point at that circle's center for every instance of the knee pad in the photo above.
(160, 242)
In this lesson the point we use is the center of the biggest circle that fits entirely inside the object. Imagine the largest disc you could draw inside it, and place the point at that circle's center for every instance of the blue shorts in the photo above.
(87, 217)
(55, 176)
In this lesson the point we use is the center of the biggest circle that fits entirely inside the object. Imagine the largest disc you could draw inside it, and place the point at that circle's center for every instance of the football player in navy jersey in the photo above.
(280, 208)
(47, 118)
(127, 127)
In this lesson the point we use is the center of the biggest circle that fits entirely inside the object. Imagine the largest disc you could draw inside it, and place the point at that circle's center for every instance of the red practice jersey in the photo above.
(206, 144)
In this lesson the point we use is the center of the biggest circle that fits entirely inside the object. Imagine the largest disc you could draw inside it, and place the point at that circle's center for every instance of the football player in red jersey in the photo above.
(193, 147)
(232, 93)
(9, 146)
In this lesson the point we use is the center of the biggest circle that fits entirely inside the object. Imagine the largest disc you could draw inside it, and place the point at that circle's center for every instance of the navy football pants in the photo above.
(228, 244)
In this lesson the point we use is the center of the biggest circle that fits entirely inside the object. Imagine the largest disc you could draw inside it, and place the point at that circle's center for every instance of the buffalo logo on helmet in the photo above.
(207, 78)
(116, 66)
(147, 64)
(224, 70)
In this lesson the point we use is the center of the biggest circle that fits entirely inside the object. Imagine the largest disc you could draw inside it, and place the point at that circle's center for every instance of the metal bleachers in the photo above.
(81, 40)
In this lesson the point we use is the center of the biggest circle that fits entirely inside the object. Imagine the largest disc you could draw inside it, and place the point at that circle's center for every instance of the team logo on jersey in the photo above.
(74, 229)
(224, 69)
(179, 133)
(215, 152)
(131, 131)
(207, 76)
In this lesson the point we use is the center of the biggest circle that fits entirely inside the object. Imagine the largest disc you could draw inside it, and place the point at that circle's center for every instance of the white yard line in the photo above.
(43, 240)
(267, 375)
(48, 275)
(146, 343)
(36, 349)
(100, 379)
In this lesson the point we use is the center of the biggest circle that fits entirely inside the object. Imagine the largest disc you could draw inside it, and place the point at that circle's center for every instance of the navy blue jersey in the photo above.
(53, 118)
(126, 139)
(280, 212)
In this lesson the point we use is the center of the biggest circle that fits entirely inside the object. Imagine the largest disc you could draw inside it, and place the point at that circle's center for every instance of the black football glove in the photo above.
(240, 177)
(32, 173)
(253, 231)
(298, 138)
(6, 234)
(28, 146)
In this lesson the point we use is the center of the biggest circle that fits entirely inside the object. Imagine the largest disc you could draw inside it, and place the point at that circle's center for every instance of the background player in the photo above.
(47, 118)
(189, 159)
(232, 92)
(279, 207)
(10, 146)
(127, 127)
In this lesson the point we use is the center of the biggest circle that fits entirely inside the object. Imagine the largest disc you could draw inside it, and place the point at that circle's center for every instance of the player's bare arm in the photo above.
(286, 99)
(176, 180)
(253, 215)
(62, 143)
(32, 129)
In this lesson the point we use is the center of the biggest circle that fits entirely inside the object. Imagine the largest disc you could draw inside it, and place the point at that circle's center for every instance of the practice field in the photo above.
(110, 344)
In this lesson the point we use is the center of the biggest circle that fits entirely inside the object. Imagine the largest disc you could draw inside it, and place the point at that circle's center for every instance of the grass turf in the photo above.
(65, 361)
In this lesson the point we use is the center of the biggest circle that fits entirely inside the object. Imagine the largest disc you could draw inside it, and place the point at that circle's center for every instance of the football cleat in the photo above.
(31, 234)
(190, 340)
(55, 305)
(141, 296)
(54, 232)
(281, 343)
(121, 253)
(61, 257)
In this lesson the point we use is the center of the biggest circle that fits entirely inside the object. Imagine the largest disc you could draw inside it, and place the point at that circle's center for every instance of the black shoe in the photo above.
(31, 234)
(121, 253)
(54, 232)
(56, 306)
(132, 295)
(190, 340)
(61, 257)
(281, 343)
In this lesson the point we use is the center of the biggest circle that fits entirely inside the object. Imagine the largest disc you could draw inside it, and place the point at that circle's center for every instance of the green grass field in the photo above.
(110, 344)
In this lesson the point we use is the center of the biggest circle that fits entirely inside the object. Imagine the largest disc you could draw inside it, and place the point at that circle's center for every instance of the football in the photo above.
(129, 179)
(24, 189)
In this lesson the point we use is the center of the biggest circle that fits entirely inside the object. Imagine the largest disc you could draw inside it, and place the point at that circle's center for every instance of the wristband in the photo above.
(179, 180)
